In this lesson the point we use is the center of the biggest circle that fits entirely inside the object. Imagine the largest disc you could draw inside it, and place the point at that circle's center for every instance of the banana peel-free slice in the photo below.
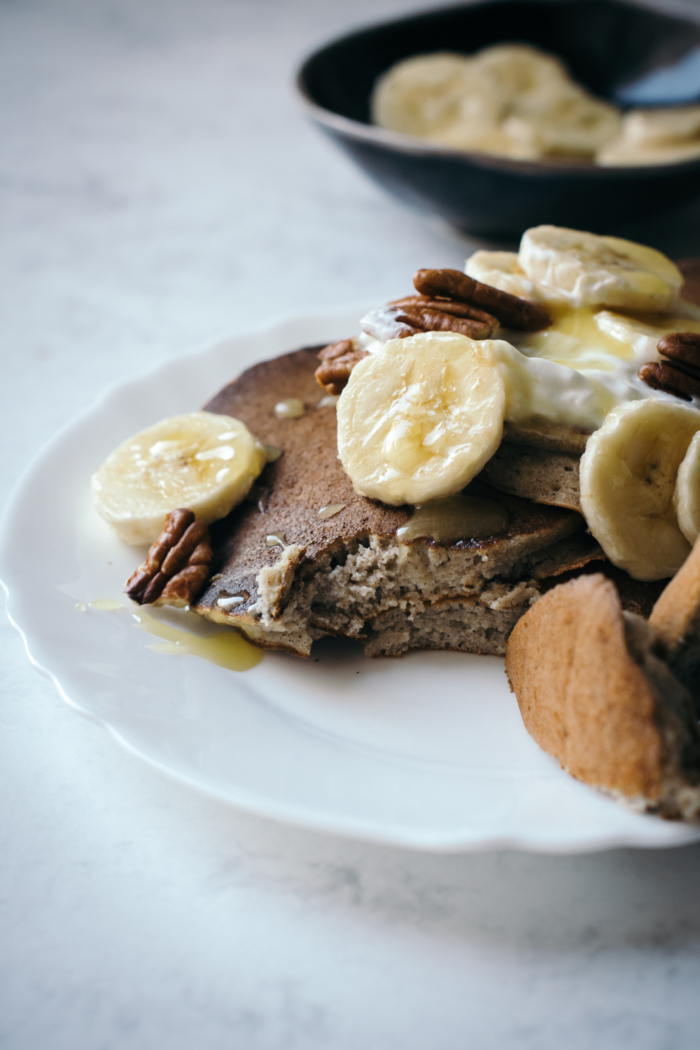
(628, 478)
(600, 271)
(419, 420)
(501, 270)
(686, 498)
(425, 94)
(200, 460)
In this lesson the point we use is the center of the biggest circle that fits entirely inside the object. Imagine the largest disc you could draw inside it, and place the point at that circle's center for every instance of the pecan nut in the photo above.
(682, 348)
(510, 311)
(337, 362)
(680, 373)
(334, 350)
(177, 565)
(449, 306)
(448, 301)
(669, 378)
(428, 319)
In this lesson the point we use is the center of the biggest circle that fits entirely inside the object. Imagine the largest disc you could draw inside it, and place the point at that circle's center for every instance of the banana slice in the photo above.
(599, 271)
(502, 270)
(427, 93)
(523, 71)
(628, 478)
(474, 137)
(200, 460)
(621, 154)
(686, 498)
(643, 336)
(655, 136)
(566, 123)
(667, 124)
(420, 420)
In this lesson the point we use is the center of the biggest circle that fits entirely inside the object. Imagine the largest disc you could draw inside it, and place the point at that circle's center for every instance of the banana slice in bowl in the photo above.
(628, 479)
(419, 420)
(655, 136)
(600, 271)
(568, 122)
(200, 460)
(426, 94)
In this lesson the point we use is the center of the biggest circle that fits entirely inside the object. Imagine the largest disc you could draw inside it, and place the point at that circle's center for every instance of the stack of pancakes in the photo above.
(299, 576)
(296, 576)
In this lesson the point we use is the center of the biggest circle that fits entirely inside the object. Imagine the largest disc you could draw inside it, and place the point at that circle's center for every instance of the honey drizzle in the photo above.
(330, 510)
(455, 518)
(290, 408)
(226, 648)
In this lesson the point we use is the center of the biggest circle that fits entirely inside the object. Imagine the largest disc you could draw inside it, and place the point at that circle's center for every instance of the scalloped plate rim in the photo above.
(478, 840)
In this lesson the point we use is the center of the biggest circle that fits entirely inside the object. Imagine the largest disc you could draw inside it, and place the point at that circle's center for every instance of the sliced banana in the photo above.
(502, 270)
(427, 93)
(523, 71)
(667, 124)
(642, 335)
(621, 154)
(599, 271)
(202, 461)
(466, 135)
(525, 82)
(638, 335)
(420, 420)
(510, 100)
(628, 478)
(513, 100)
(568, 122)
(686, 498)
(655, 136)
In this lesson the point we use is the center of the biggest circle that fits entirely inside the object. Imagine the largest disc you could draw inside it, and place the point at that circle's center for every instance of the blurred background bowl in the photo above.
(623, 52)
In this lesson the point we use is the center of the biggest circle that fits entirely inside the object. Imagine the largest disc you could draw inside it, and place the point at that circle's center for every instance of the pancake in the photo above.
(339, 575)
(676, 620)
(535, 473)
(595, 692)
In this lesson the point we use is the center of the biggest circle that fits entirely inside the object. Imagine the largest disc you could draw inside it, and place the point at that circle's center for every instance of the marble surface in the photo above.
(158, 187)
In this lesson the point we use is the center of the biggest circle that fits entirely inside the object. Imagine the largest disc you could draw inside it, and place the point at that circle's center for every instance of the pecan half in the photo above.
(680, 374)
(448, 306)
(681, 347)
(337, 362)
(334, 350)
(510, 311)
(668, 377)
(177, 565)
(427, 319)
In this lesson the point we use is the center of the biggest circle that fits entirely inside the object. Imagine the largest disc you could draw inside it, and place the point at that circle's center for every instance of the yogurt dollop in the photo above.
(578, 370)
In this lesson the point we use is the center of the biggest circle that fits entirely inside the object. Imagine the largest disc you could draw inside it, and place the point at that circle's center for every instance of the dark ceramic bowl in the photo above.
(623, 52)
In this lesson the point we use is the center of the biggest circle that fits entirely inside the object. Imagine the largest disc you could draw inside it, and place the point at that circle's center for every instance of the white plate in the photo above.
(427, 752)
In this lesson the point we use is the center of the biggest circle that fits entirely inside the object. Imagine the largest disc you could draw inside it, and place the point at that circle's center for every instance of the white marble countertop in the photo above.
(159, 186)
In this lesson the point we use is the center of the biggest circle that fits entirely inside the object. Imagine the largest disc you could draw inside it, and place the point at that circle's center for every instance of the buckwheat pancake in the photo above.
(595, 691)
(676, 620)
(544, 475)
(286, 576)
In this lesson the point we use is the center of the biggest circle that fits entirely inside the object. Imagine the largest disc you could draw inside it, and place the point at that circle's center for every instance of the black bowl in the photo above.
(613, 48)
